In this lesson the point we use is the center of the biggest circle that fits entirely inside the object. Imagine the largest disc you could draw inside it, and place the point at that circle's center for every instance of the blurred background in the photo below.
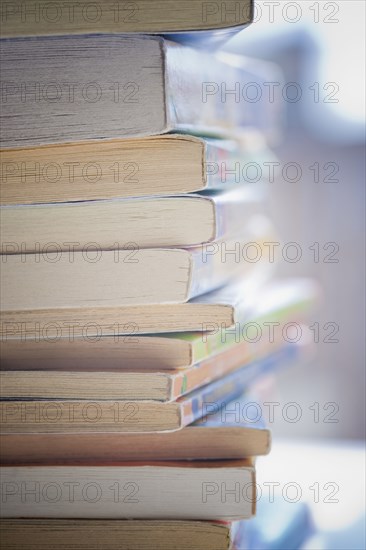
(320, 48)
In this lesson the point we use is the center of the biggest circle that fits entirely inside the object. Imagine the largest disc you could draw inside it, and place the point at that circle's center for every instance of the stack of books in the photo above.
(136, 279)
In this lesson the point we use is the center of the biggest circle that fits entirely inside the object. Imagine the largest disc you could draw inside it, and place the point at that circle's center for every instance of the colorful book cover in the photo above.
(236, 356)
(281, 303)
(217, 394)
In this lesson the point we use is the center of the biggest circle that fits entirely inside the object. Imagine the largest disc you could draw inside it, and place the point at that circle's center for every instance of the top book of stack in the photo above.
(183, 20)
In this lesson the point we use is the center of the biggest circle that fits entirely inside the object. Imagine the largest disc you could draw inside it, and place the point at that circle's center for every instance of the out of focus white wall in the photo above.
(320, 46)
